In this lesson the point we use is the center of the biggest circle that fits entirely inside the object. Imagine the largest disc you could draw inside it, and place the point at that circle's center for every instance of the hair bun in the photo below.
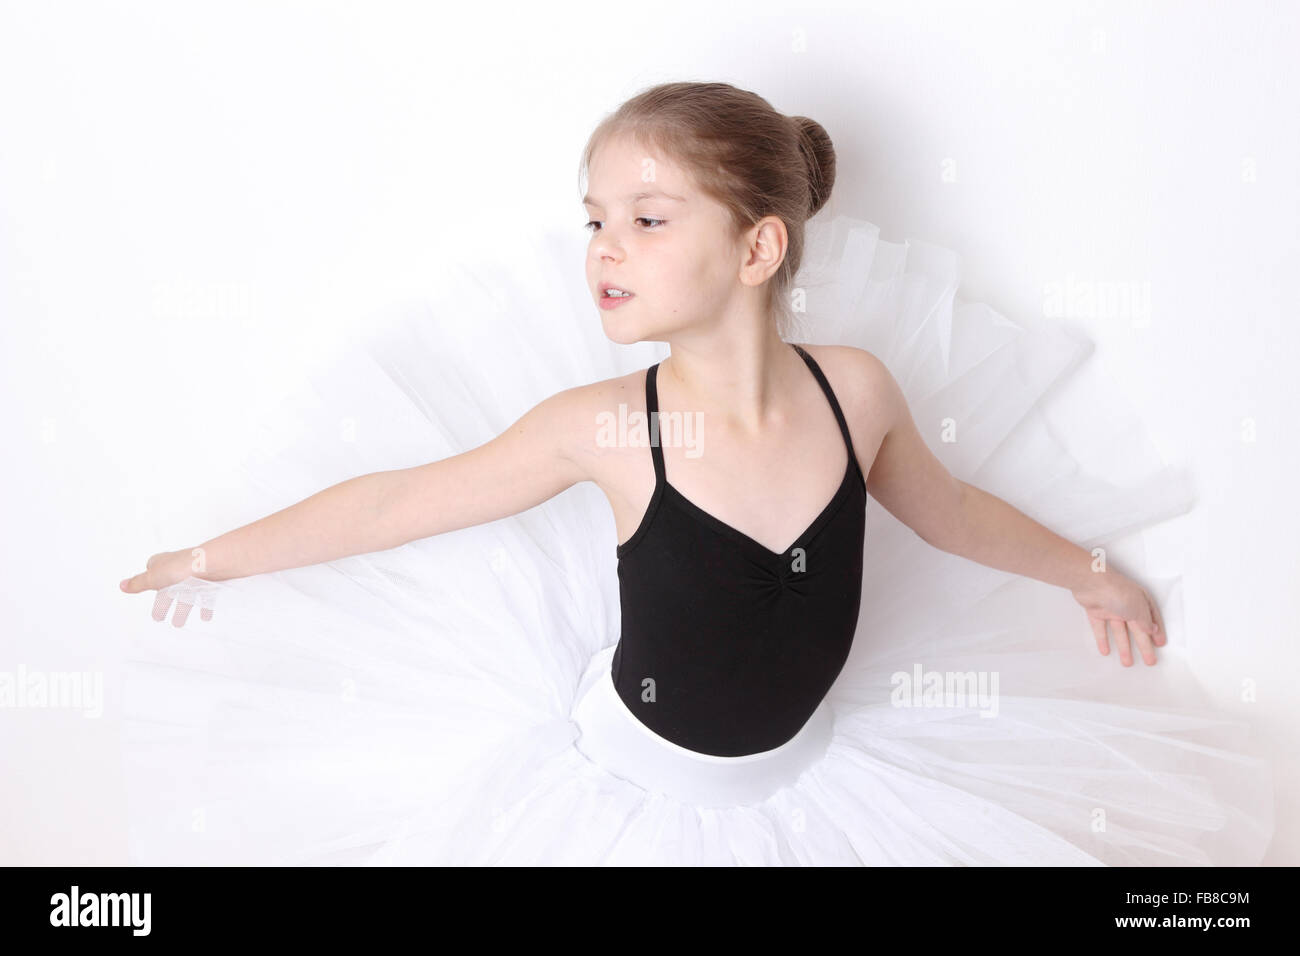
(819, 156)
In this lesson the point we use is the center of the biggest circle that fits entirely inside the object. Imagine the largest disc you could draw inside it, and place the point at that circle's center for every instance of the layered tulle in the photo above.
(417, 705)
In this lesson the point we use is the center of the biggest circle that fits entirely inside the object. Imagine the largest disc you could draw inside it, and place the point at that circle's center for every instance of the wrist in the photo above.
(204, 562)
(1092, 574)
(1098, 581)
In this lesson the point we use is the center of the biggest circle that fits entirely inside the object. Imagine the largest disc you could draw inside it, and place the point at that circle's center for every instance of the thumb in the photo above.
(136, 584)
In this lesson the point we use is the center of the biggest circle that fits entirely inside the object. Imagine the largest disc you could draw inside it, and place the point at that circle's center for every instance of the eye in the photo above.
(594, 224)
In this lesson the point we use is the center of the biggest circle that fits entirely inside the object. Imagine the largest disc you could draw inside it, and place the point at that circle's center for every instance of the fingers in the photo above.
(1160, 636)
(1145, 647)
(186, 600)
(1124, 634)
(136, 584)
(164, 600)
(1099, 632)
(161, 602)
(142, 582)
(1145, 628)
(1119, 632)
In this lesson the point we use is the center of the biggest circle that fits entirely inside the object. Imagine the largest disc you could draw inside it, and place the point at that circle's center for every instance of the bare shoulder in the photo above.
(576, 416)
(866, 391)
(862, 383)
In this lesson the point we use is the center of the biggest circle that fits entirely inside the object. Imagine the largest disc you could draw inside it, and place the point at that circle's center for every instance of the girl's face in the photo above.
(655, 236)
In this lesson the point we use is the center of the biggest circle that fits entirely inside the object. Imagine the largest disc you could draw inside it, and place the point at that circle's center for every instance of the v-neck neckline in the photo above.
(736, 534)
(665, 488)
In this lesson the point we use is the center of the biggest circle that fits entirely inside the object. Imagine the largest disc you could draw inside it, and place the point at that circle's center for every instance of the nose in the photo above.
(605, 247)
(604, 254)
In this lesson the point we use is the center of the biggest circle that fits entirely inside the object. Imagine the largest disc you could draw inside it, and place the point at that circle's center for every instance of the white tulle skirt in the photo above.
(449, 701)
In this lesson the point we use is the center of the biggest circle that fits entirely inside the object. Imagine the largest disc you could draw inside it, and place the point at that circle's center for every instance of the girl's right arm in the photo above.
(531, 461)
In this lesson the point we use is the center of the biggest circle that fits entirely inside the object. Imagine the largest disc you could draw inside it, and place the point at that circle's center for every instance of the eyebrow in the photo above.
(637, 197)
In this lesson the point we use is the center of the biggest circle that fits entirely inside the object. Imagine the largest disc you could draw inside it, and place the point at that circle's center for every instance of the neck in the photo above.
(741, 378)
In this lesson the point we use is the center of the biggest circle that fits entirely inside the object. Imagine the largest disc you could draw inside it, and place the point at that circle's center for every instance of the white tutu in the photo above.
(449, 701)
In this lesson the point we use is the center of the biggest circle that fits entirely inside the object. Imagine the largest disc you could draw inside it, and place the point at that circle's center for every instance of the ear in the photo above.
(766, 244)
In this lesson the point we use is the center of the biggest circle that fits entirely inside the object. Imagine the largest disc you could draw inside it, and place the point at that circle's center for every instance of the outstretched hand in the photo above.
(163, 572)
(1120, 606)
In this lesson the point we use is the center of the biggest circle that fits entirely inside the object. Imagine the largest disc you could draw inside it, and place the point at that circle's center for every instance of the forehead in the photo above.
(622, 170)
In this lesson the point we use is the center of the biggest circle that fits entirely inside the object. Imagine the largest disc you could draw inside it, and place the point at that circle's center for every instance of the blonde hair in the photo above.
(740, 152)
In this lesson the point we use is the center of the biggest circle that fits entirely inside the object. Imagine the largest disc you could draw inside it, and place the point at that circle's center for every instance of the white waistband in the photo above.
(613, 738)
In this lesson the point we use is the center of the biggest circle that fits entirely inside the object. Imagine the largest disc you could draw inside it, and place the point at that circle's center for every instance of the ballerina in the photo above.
(736, 716)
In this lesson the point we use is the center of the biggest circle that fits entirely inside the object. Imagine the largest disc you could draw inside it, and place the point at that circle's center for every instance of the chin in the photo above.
(628, 328)
(623, 330)
(622, 334)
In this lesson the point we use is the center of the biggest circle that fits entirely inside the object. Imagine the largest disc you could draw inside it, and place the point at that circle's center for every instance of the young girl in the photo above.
(779, 674)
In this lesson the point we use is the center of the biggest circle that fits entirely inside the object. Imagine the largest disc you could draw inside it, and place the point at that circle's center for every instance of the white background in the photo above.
(197, 201)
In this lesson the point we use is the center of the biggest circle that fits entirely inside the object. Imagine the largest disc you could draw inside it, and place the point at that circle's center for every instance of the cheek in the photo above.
(690, 273)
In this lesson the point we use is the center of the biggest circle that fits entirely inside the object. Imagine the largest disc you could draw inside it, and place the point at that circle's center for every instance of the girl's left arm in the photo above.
(949, 514)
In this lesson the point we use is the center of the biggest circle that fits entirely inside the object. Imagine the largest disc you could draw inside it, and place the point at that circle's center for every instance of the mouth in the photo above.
(608, 302)
(611, 296)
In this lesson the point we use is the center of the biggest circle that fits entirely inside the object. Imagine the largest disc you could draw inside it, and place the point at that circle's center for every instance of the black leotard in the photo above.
(727, 647)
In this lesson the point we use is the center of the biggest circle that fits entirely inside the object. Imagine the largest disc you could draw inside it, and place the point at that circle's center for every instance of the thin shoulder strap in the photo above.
(830, 395)
(652, 420)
